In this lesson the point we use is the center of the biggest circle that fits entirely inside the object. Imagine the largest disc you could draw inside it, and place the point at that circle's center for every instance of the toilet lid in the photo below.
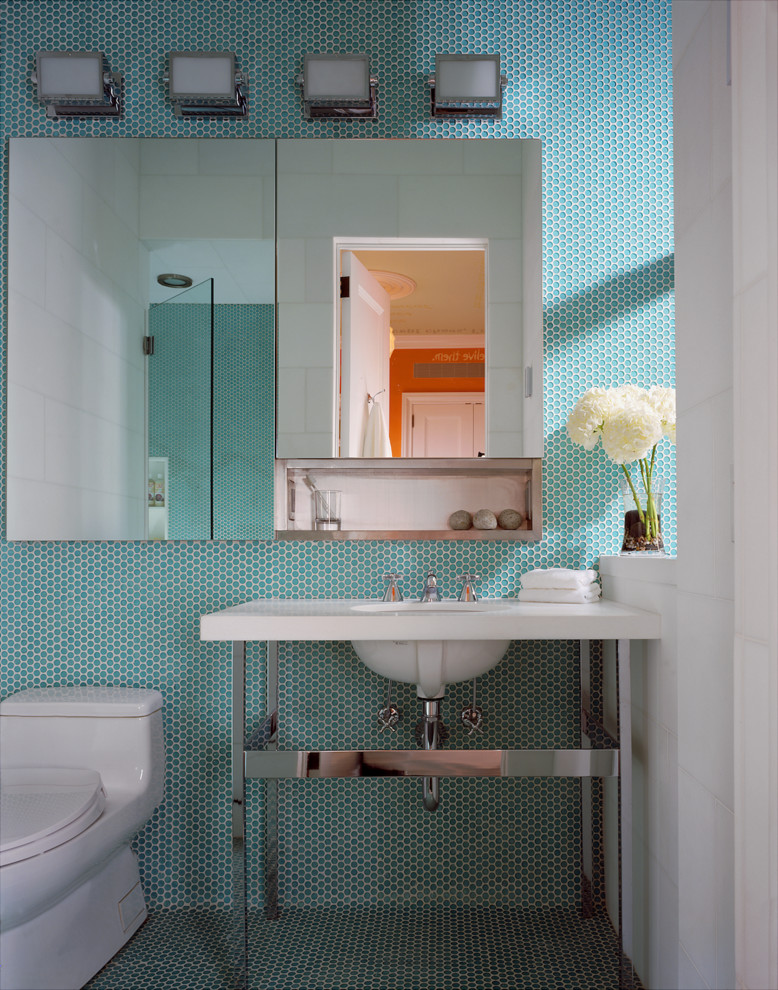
(42, 807)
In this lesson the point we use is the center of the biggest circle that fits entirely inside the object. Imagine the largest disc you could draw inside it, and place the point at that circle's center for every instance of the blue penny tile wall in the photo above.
(179, 400)
(244, 443)
(330, 700)
(244, 406)
(592, 80)
(372, 842)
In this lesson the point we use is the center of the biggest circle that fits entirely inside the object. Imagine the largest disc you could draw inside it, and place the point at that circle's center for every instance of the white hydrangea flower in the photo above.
(624, 395)
(630, 421)
(585, 422)
(631, 431)
(663, 401)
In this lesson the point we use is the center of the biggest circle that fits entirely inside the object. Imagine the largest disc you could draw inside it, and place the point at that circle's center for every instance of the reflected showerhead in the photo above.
(171, 281)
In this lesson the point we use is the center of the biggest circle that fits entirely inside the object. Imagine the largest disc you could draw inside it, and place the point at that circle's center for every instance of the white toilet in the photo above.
(81, 771)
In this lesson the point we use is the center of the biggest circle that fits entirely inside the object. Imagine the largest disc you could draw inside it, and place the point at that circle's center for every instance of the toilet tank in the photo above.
(116, 731)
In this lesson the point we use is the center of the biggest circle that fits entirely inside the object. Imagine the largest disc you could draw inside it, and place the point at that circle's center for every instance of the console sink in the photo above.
(430, 664)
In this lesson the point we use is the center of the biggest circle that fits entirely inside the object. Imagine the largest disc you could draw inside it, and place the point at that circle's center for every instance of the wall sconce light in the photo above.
(338, 86)
(467, 86)
(205, 84)
(77, 84)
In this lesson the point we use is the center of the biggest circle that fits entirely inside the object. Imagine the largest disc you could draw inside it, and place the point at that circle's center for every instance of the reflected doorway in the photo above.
(412, 321)
(443, 424)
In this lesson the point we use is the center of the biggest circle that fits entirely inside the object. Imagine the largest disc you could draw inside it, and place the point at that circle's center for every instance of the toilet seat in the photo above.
(42, 807)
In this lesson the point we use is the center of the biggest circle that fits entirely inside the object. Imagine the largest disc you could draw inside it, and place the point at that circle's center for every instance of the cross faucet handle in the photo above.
(473, 719)
(468, 592)
(392, 593)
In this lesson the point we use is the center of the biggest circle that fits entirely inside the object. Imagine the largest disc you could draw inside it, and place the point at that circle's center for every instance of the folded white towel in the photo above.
(561, 596)
(376, 442)
(557, 577)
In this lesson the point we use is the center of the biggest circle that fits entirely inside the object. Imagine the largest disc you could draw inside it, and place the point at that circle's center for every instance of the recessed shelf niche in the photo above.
(383, 499)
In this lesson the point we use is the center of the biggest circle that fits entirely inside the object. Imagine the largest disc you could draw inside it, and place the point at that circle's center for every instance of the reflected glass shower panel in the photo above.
(180, 409)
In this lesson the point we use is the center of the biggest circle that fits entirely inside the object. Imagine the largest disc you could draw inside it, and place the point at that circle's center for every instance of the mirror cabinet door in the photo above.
(106, 441)
(451, 229)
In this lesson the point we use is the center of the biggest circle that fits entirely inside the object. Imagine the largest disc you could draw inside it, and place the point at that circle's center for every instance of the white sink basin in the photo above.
(430, 664)
(420, 608)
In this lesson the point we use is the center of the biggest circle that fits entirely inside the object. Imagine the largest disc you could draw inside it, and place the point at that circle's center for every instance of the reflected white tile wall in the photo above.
(27, 434)
(299, 347)
(70, 512)
(75, 332)
(166, 157)
(445, 206)
(230, 157)
(29, 263)
(50, 186)
(187, 205)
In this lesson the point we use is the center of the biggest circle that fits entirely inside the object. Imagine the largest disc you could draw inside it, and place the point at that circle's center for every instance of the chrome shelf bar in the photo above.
(295, 764)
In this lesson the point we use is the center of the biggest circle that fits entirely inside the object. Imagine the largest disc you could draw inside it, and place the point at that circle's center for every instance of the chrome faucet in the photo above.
(431, 591)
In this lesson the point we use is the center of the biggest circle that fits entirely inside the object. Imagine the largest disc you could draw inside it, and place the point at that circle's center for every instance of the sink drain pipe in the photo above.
(431, 733)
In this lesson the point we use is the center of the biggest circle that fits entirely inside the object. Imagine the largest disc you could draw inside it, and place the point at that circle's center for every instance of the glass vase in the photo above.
(642, 516)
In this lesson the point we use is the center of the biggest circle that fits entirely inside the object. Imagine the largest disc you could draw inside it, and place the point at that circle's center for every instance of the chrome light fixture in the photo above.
(206, 84)
(172, 281)
(77, 84)
(338, 86)
(467, 86)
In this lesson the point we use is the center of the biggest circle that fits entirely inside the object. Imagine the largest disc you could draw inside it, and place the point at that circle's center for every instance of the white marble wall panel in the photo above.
(755, 224)
(704, 258)
(696, 878)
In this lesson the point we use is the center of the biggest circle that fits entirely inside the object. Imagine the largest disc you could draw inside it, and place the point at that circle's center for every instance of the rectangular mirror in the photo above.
(409, 298)
(105, 442)
(108, 443)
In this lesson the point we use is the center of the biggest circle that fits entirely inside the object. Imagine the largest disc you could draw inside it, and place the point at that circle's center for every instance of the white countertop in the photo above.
(324, 619)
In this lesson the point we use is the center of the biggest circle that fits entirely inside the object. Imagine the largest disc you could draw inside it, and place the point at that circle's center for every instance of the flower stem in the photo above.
(628, 476)
(652, 518)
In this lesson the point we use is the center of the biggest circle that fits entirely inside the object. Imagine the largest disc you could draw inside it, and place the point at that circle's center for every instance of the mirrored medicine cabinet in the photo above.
(395, 285)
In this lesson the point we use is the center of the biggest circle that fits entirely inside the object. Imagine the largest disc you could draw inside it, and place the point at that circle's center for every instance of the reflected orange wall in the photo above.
(401, 380)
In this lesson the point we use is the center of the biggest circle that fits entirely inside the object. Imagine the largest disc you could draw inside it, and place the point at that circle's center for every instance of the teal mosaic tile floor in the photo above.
(384, 948)
(174, 950)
